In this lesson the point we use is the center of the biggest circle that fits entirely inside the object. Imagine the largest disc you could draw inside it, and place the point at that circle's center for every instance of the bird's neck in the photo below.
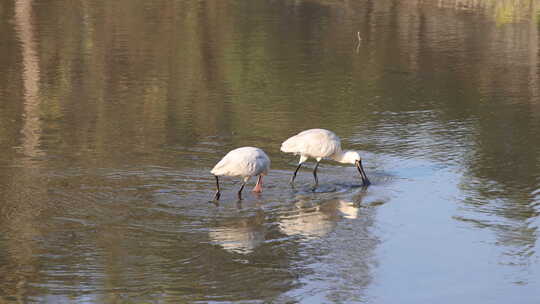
(339, 157)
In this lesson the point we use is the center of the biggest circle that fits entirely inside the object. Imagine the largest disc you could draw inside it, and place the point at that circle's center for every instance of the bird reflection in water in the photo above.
(315, 220)
(308, 218)
(240, 235)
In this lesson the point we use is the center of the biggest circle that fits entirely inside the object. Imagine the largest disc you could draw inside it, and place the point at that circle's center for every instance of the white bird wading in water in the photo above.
(244, 162)
(319, 144)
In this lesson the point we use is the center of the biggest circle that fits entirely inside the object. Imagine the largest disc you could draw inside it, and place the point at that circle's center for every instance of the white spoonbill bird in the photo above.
(244, 162)
(319, 144)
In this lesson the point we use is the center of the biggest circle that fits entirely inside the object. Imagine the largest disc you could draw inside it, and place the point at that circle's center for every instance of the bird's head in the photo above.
(351, 157)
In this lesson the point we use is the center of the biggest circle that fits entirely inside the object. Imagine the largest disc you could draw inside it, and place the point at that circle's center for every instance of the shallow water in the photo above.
(113, 114)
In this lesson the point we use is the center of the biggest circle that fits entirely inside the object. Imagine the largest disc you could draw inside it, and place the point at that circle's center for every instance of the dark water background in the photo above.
(113, 113)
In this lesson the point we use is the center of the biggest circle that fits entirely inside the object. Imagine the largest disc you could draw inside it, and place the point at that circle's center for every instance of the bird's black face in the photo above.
(360, 168)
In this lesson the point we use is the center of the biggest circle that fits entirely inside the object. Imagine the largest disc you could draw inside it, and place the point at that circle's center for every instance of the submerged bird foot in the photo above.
(291, 181)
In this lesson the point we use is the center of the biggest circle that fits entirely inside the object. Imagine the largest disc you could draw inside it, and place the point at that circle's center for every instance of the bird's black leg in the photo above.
(365, 180)
(315, 175)
(240, 191)
(218, 193)
(295, 171)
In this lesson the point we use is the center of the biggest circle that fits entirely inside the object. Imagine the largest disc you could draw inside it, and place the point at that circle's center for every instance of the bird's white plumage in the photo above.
(319, 144)
(314, 143)
(244, 162)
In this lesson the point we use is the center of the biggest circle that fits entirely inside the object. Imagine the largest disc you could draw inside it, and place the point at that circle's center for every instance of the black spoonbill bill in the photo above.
(244, 162)
(319, 144)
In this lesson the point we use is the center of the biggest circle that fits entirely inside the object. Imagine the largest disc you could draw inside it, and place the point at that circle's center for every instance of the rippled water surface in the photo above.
(112, 115)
